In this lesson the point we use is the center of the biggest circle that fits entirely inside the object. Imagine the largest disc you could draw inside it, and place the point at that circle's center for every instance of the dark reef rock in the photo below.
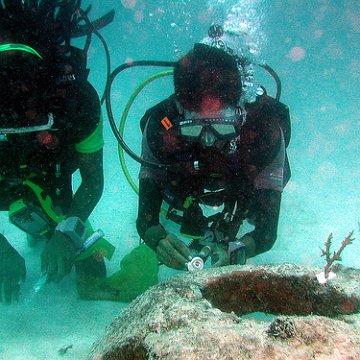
(198, 316)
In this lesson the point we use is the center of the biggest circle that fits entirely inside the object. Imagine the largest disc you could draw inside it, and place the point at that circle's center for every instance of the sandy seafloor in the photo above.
(314, 47)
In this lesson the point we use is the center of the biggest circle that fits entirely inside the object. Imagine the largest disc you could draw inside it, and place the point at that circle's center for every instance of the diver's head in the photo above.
(207, 80)
(208, 86)
(36, 37)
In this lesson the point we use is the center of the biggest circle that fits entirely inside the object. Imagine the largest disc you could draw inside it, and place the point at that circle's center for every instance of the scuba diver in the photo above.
(50, 127)
(214, 145)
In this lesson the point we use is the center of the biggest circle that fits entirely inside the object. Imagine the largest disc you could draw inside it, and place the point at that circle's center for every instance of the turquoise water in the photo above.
(313, 46)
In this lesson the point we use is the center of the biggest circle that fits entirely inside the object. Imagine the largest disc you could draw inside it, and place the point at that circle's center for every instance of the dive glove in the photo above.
(12, 271)
(58, 257)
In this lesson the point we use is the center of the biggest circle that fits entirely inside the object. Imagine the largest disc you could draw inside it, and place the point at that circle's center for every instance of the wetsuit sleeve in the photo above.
(91, 187)
(84, 114)
(81, 118)
(94, 142)
(266, 216)
(150, 199)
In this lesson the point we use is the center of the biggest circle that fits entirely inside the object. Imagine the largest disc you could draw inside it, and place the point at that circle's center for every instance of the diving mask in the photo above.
(222, 125)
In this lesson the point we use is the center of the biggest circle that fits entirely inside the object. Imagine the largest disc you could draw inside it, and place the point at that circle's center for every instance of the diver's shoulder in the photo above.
(164, 107)
(273, 102)
(87, 91)
(267, 103)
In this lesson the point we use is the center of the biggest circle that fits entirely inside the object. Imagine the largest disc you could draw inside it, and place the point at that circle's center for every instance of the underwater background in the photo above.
(313, 45)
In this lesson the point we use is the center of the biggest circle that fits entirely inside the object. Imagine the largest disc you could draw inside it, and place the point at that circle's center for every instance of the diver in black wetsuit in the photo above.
(223, 150)
(50, 126)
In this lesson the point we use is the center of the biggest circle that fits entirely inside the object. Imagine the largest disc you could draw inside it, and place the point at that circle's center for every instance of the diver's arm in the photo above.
(59, 253)
(92, 184)
(12, 271)
(170, 251)
(264, 235)
(150, 199)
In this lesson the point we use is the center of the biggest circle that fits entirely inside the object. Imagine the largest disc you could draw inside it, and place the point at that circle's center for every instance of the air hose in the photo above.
(123, 121)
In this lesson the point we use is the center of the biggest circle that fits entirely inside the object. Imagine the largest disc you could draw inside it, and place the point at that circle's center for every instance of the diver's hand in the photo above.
(58, 257)
(12, 271)
(220, 256)
(173, 252)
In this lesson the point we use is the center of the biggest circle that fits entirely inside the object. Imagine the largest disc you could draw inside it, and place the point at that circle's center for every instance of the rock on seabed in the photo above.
(198, 316)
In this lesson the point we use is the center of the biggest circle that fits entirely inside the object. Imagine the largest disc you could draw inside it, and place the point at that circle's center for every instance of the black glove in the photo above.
(12, 271)
(58, 257)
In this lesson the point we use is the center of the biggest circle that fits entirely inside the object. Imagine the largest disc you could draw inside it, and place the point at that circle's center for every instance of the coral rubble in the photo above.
(201, 316)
